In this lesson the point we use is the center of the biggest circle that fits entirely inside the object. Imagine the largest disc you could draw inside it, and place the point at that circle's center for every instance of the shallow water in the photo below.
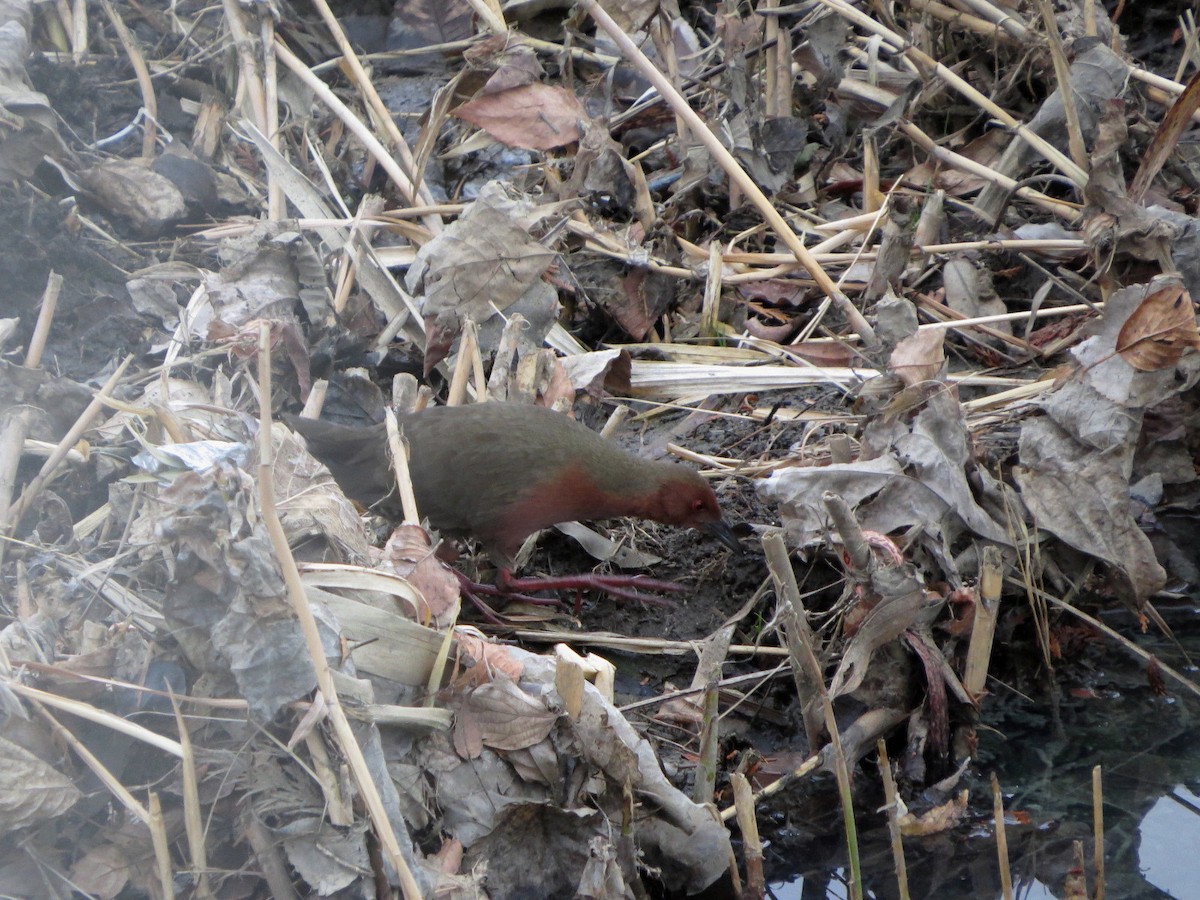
(1042, 748)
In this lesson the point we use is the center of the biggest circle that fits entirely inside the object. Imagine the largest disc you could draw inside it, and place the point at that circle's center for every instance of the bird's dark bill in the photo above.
(723, 532)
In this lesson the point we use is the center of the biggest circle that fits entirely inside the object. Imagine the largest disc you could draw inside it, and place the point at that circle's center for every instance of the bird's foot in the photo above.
(507, 588)
(475, 592)
(623, 587)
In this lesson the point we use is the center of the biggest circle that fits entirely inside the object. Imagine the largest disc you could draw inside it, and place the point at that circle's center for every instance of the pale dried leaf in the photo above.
(509, 718)
(328, 858)
(919, 357)
(102, 872)
(34, 791)
(936, 820)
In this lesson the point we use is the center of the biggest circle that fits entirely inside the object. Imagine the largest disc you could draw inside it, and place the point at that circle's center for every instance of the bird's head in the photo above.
(687, 500)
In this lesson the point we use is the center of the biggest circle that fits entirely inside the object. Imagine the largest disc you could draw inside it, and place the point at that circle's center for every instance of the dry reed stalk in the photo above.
(1098, 831)
(371, 144)
(952, 317)
(89, 759)
(802, 645)
(635, 645)
(249, 82)
(41, 329)
(1066, 211)
(383, 117)
(270, 859)
(193, 819)
(737, 175)
(987, 608)
(1002, 16)
(339, 805)
(399, 453)
(74, 433)
(1062, 72)
(491, 14)
(347, 264)
(892, 805)
(710, 309)
(569, 679)
(752, 851)
(1001, 840)
(325, 682)
(14, 426)
(961, 19)
(904, 46)
(99, 716)
(276, 201)
(142, 74)
(478, 375)
(809, 765)
(456, 395)
(77, 17)
(162, 847)
(841, 770)
(705, 782)
(437, 671)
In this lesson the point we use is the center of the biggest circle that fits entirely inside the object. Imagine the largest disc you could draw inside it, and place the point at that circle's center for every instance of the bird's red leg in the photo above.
(623, 587)
(470, 590)
(474, 588)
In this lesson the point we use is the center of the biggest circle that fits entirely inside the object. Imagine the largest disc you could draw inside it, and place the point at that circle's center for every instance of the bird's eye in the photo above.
(698, 504)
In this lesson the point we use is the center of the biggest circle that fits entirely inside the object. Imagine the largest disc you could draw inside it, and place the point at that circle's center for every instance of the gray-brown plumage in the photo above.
(501, 471)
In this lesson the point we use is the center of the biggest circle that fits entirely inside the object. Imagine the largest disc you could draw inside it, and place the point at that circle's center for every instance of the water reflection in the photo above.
(1043, 748)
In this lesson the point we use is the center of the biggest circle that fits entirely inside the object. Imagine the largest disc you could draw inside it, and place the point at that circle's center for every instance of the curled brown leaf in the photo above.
(1159, 330)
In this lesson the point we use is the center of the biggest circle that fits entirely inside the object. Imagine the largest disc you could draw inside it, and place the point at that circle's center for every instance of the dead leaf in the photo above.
(631, 15)
(468, 742)
(1159, 330)
(495, 658)
(507, 717)
(919, 357)
(102, 872)
(1177, 120)
(33, 792)
(533, 116)
(485, 267)
(940, 818)
(408, 554)
(904, 601)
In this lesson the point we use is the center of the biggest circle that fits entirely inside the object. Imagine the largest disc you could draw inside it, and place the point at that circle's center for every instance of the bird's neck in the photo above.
(632, 490)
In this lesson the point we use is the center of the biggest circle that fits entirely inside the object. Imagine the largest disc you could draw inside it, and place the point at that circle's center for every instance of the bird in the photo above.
(499, 471)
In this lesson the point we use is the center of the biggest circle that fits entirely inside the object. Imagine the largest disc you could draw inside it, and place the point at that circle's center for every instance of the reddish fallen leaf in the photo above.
(828, 353)
(775, 333)
(534, 116)
(408, 554)
(1154, 677)
(1159, 330)
(779, 291)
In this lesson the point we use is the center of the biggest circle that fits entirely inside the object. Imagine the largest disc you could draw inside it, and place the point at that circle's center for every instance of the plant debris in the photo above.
(915, 293)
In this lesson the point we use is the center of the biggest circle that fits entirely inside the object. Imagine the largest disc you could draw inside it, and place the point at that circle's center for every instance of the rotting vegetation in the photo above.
(927, 328)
